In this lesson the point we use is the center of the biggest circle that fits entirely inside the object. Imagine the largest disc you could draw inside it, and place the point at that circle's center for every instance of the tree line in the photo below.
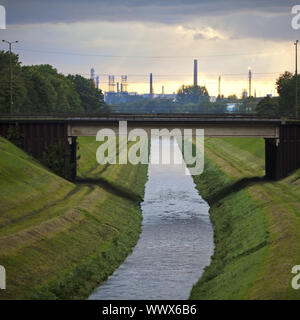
(189, 99)
(285, 103)
(41, 89)
(195, 99)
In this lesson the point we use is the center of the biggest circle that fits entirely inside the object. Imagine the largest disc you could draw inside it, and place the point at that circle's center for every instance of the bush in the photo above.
(14, 135)
(56, 158)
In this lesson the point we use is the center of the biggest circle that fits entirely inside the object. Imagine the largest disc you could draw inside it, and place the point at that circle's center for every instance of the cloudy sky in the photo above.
(136, 37)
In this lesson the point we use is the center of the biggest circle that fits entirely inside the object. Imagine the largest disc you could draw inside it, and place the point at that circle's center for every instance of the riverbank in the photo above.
(256, 224)
(59, 240)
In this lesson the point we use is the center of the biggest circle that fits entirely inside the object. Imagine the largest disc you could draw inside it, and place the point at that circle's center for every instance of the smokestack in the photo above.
(151, 85)
(124, 83)
(219, 88)
(97, 82)
(250, 79)
(118, 88)
(195, 73)
(93, 74)
(111, 83)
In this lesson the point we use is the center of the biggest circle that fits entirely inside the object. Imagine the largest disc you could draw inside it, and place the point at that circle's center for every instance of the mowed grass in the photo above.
(256, 224)
(128, 178)
(59, 240)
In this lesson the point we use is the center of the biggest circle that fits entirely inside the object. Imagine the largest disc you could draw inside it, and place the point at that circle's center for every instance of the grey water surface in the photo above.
(176, 241)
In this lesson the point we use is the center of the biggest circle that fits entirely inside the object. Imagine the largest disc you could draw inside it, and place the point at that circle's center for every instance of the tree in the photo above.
(19, 89)
(43, 97)
(268, 106)
(287, 95)
(50, 91)
(92, 99)
(232, 98)
(56, 157)
(192, 94)
(41, 89)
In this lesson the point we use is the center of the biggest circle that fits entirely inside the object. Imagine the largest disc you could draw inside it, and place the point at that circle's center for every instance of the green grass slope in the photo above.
(124, 178)
(58, 240)
(256, 224)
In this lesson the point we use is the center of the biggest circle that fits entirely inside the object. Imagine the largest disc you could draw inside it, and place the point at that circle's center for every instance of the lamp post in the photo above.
(11, 73)
(296, 76)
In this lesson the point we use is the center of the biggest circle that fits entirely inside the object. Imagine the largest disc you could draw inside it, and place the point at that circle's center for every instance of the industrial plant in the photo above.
(118, 88)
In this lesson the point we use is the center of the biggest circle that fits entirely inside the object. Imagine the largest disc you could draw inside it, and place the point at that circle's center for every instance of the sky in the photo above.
(136, 37)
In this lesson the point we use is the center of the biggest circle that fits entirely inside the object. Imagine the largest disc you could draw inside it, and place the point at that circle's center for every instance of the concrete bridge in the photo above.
(282, 137)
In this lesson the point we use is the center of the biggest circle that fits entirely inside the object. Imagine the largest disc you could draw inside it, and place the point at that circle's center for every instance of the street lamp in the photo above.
(10, 69)
(296, 76)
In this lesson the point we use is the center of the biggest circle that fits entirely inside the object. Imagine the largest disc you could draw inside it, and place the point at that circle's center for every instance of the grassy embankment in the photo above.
(256, 224)
(58, 240)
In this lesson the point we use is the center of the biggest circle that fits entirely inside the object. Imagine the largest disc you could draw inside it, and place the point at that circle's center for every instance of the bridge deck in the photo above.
(282, 136)
(213, 125)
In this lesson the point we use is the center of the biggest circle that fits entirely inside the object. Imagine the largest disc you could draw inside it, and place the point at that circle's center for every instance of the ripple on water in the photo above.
(175, 244)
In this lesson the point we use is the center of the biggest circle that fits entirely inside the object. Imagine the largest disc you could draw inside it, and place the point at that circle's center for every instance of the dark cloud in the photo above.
(243, 18)
(164, 11)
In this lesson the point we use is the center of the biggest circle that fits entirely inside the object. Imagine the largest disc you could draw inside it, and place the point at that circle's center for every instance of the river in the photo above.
(176, 241)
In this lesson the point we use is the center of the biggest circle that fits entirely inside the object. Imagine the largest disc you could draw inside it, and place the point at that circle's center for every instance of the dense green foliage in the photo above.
(14, 135)
(41, 89)
(268, 106)
(192, 94)
(91, 98)
(286, 88)
(55, 157)
(285, 104)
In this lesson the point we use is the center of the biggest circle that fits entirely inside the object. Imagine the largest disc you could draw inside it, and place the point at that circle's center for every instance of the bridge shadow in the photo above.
(212, 199)
(235, 187)
(111, 187)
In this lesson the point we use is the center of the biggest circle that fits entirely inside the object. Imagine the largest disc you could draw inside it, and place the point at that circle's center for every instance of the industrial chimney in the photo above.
(93, 74)
(151, 85)
(195, 73)
(250, 79)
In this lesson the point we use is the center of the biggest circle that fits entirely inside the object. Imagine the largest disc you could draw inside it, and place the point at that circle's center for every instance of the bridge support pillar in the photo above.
(282, 156)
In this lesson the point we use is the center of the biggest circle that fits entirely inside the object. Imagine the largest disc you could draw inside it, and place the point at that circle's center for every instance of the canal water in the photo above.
(176, 241)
